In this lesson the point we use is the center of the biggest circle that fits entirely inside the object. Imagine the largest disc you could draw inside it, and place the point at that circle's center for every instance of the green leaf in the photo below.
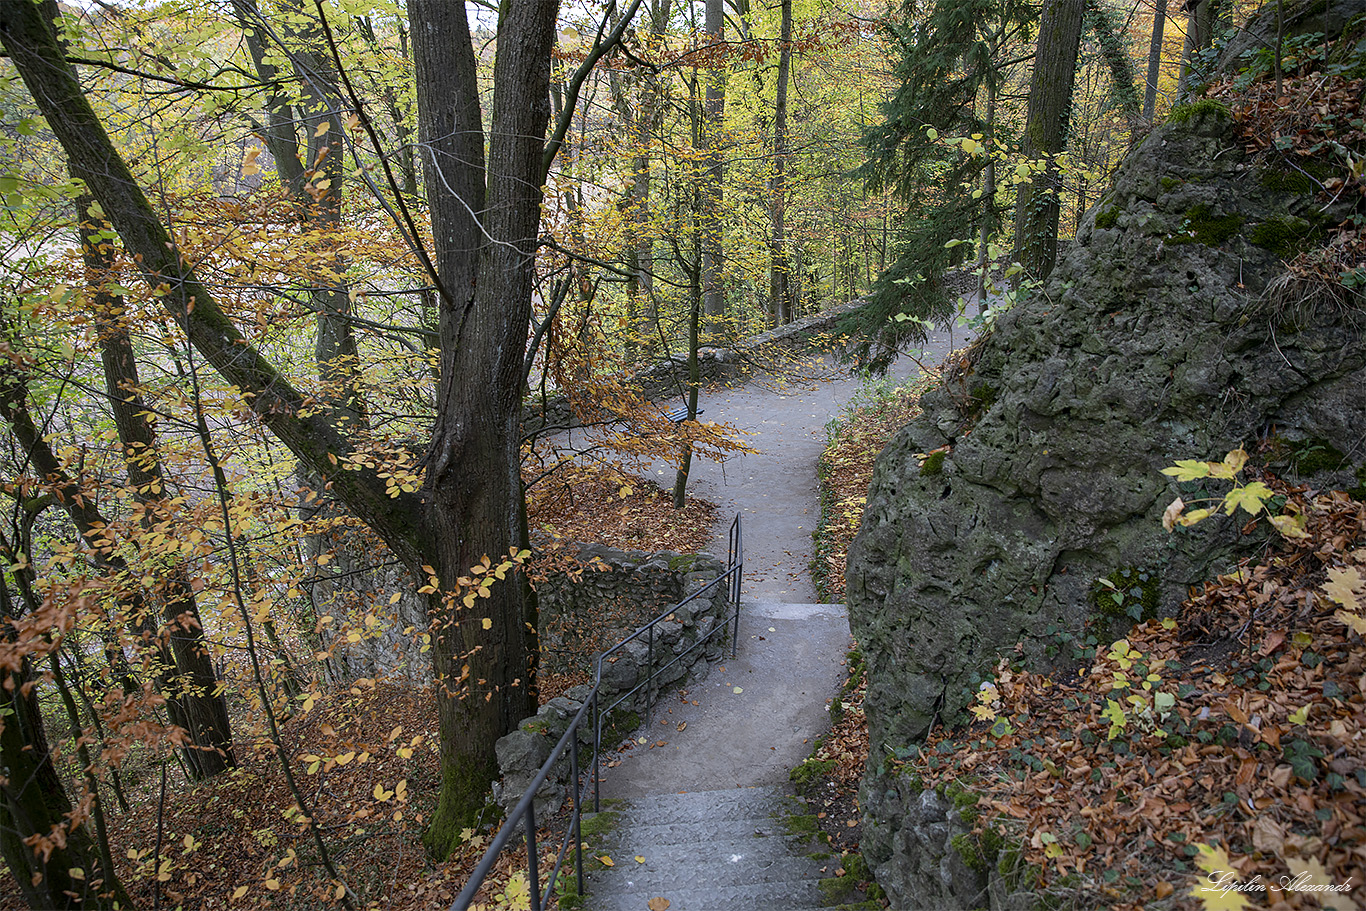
(1251, 498)
(1118, 720)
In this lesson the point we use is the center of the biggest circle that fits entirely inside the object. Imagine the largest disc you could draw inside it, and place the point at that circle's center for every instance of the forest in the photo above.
(282, 281)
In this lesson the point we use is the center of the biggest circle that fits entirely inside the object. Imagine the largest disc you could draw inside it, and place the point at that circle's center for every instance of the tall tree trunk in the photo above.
(1050, 100)
(281, 136)
(34, 803)
(694, 371)
(990, 214)
(642, 121)
(1204, 16)
(473, 482)
(1113, 39)
(1154, 59)
(713, 292)
(779, 285)
(190, 684)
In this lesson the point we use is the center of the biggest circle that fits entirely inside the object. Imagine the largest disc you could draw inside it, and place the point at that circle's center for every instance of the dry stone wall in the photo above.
(590, 608)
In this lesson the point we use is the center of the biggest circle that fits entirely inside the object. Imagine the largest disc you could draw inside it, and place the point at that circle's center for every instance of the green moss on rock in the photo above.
(1280, 180)
(1209, 229)
(967, 848)
(1316, 456)
(1284, 235)
(1359, 492)
(1132, 593)
(1185, 113)
(809, 772)
(933, 464)
(1107, 218)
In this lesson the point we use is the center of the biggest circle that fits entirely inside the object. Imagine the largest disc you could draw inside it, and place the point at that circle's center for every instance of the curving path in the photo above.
(791, 649)
(704, 781)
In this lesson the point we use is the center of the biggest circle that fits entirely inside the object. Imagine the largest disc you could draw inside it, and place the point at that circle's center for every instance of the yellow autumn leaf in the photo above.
(1188, 470)
(1342, 586)
(1310, 876)
(322, 128)
(239, 892)
(1355, 621)
(1236, 459)
(487, 623)
(1212, 859)
(606, 861)
(1290, 526)
(1251, 498)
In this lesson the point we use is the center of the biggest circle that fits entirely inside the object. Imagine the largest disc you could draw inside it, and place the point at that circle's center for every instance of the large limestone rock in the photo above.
(1152, 342)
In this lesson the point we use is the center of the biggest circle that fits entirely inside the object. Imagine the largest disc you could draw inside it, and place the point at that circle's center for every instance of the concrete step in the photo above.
(640, 831)
(702, 861)
(701, 806)
(708, 851)
(799, 895)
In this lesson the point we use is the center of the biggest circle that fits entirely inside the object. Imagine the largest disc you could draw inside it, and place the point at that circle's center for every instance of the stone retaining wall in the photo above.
(607, 606)
(922, 851)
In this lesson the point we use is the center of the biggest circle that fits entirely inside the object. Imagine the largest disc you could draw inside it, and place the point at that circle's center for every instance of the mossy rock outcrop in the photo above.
(1148, 344)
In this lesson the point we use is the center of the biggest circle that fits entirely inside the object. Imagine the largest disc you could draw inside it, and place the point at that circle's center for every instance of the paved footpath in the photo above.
(753, 718)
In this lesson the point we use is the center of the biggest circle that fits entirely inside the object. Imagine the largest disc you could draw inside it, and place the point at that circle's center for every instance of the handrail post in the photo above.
(525, 811)
(597, 748)
(578, 810)
(532, 871)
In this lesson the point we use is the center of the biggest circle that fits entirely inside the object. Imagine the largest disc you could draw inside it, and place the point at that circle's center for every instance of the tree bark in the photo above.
(34, 802)
(1154, 59)
(190, 685)
(642, 121)
(713, 293)
(779, 285)
(473, 484)
(1204, 16)
(1050, 100)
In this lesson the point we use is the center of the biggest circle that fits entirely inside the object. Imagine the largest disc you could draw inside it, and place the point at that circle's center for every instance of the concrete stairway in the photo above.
(742, 849)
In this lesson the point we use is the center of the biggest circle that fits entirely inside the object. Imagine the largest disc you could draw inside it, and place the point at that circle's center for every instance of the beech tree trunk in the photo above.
(779, 284)
(189, 683)
(713, 294)
(1050, 101)
(473, 484)
(1154, 59)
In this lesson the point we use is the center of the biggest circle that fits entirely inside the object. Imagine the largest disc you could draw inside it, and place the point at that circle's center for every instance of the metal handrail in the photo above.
(525, 811)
